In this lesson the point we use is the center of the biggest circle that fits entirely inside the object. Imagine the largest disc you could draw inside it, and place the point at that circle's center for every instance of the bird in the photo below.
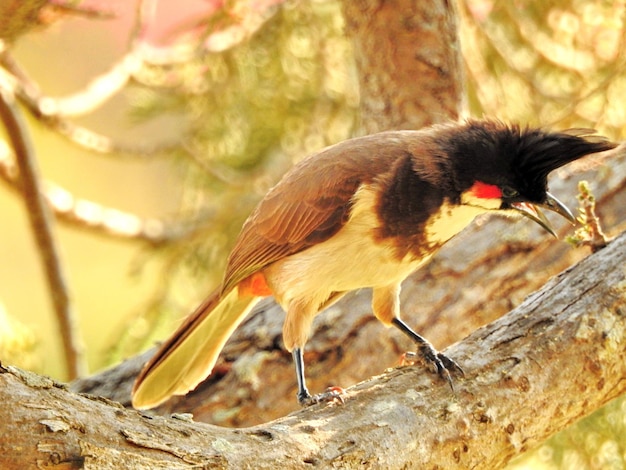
(365, 213)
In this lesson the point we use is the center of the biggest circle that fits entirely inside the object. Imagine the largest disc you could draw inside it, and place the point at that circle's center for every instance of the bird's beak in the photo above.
(534, 212)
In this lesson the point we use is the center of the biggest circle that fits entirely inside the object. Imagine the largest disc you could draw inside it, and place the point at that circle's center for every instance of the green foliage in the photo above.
(18, 343)
(555, 63)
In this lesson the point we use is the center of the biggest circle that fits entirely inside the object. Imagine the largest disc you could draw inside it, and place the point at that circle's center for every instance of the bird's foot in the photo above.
(331, 395)
(443, 364)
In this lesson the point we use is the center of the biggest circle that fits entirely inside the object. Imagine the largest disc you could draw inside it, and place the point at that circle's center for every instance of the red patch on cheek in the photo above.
(486, 191)
(256, 285)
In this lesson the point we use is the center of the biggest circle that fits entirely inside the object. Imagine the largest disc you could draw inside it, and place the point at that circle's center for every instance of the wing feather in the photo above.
(312, 201)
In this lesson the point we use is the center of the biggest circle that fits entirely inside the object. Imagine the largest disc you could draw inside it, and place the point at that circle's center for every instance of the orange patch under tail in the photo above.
(255, 285)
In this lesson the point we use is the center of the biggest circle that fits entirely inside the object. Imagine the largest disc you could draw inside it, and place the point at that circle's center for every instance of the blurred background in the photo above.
(160, 124)
(181, 139)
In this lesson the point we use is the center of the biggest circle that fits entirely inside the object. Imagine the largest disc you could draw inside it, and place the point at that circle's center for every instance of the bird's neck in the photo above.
(448, 221)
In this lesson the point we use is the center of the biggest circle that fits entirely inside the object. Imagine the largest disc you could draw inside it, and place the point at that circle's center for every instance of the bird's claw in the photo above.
(450, 365)
(330, 395)
(443, 364)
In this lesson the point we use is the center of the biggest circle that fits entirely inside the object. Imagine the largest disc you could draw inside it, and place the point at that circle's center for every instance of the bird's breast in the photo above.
(351, 259)
(448, 221)
(357, 257)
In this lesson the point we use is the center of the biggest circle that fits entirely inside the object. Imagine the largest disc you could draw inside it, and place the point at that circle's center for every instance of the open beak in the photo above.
(533, 211)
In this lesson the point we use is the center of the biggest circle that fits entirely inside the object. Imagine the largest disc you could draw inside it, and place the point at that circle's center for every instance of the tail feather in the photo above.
(189, 355)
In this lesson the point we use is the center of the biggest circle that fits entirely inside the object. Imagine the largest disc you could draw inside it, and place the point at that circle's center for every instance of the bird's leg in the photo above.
(303, 393)
(304, 397)
(443, 363)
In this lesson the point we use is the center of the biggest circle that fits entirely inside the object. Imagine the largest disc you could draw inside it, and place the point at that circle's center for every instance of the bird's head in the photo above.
(501, 167)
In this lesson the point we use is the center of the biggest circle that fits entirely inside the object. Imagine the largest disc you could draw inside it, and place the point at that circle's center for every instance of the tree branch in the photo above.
(41, 224)
(409, 60)
(53, 112)
(93, 13)
(99, 219)
(555, 358)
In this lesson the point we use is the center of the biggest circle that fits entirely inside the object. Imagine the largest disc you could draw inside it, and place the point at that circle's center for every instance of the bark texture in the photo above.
(558, 356)
(409, 62)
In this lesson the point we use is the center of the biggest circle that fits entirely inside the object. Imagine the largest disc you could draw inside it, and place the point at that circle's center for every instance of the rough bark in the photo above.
(557, 357)
(409, 62)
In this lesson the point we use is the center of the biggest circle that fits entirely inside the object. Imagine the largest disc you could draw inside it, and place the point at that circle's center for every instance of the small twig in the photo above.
(52, 112)
(97, 218)
(591, 233)
(93, 13)
(145, 13)
(99, 90)
(41, 224)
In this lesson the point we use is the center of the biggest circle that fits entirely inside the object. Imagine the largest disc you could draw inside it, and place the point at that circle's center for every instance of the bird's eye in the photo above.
(509, 193)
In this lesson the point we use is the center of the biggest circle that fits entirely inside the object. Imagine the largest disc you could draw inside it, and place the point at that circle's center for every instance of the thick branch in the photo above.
(554, 359)
(409, 61)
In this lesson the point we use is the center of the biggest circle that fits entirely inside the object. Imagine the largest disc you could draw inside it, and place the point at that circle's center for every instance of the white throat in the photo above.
(453, 218)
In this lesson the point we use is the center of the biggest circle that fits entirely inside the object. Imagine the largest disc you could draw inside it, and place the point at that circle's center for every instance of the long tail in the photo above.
(188, 356)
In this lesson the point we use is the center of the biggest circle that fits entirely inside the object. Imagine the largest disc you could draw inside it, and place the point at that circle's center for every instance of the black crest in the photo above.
(536, 152)
(518, 156)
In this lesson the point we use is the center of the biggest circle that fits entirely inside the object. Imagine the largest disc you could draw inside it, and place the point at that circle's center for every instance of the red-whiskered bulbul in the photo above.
(366, 212)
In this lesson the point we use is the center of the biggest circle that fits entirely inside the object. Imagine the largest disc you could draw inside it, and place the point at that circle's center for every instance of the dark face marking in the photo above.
(405, 204)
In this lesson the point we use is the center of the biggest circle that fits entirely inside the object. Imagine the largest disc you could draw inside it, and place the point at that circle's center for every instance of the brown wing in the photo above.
(311, 203)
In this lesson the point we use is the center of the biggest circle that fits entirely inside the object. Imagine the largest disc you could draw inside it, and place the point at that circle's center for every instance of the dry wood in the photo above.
(557, 357)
